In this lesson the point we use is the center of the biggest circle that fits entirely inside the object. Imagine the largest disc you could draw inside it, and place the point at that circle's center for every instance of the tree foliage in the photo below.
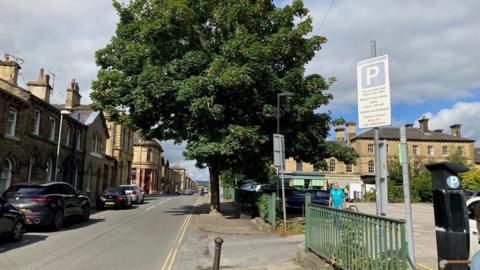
(208, 72)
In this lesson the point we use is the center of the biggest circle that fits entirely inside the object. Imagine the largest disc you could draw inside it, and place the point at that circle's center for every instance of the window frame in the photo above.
(11, 125)
(53, 128)
(430, 150)
(371, 149)
(415, 150)
(37, 115)
(348, 168)
(371, 166)
(332, 164)
(445, 153)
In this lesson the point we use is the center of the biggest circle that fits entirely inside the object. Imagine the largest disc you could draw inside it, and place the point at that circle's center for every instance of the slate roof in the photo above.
(413, 134)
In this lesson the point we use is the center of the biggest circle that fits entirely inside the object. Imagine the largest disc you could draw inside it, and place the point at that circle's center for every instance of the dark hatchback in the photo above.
(12, 221)
(48, 203)
(113, 197)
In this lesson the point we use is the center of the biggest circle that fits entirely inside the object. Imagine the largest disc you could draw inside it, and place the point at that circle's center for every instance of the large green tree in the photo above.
(208, 72)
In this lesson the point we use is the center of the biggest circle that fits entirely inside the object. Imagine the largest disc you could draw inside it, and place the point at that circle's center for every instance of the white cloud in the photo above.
(433, 47)
(464, 113)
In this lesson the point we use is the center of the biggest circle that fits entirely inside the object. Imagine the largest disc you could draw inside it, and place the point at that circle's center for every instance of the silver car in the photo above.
(136, 193)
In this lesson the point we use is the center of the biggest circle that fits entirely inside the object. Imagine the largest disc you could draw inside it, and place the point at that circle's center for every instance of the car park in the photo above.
(48, 203)
(12, 221)
(137, 194)
(114, 197)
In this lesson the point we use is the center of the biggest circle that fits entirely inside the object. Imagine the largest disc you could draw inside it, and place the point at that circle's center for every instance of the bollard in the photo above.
(218, 249)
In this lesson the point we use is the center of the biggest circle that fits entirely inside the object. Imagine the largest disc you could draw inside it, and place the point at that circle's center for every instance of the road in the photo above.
(144, 237)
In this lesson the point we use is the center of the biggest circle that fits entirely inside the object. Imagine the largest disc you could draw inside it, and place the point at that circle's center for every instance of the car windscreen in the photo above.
(24, 191)
(113, 191)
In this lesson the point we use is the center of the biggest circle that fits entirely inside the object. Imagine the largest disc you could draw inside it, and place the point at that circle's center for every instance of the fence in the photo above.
(353, 240)
(254, 203)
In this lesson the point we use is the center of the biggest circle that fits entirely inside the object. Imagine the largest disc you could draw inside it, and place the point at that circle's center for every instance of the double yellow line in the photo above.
(178, 241)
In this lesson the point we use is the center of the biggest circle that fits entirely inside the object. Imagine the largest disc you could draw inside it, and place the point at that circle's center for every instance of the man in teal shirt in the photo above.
(337, 198)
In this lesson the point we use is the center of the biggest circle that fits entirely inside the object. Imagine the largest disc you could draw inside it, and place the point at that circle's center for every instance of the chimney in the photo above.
(73, 95)
(438, 130)
(340, 134)
(41, 88)
(423, 124)
(408, 125)
(351, 130)
(456, 130)
(9, 70)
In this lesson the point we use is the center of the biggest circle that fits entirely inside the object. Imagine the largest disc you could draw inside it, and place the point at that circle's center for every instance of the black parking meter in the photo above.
(451, 215)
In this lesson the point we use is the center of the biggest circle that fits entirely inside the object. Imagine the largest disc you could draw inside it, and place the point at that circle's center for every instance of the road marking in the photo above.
(163, 201)
(149, 208)
(178, 241)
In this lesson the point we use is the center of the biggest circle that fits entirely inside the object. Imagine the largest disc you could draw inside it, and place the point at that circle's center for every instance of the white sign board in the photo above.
(278, 152)
(373, 93)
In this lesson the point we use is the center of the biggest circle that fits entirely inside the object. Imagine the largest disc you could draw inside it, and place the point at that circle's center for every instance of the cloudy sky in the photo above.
(432, 46)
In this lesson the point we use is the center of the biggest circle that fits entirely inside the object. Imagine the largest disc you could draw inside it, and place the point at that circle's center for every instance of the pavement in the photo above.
(424, 238)
(139, 238)
(245, 246)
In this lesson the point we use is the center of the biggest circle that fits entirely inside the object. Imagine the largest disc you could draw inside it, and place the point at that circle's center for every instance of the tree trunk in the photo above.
(214, 190)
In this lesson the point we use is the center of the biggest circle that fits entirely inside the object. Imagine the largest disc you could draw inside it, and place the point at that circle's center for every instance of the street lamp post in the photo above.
(282, 163)
(62, 113)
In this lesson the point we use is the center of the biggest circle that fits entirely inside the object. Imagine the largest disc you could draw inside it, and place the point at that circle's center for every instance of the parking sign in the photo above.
(373, 93)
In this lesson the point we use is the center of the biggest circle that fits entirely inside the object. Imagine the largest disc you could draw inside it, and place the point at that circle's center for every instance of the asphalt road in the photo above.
(144, 237)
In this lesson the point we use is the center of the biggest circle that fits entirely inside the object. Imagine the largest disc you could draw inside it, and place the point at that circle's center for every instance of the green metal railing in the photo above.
(228, 193)
(266, 204)
(352, 240)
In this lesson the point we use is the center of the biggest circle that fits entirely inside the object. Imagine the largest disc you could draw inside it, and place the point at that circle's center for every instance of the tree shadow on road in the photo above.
(71, 224)
(229, 210)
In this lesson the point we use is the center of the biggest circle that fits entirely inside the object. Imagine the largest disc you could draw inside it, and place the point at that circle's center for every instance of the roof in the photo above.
(413, 134)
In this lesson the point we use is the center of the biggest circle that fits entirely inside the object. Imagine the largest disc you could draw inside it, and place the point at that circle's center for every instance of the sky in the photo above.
(432, 47)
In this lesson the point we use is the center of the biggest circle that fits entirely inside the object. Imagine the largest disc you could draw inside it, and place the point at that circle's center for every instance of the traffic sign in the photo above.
(373, 92)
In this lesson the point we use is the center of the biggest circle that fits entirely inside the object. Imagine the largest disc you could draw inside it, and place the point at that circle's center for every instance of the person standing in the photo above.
(337, 198)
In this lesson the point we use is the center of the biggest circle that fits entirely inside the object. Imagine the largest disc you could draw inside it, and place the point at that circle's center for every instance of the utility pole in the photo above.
(376, 149)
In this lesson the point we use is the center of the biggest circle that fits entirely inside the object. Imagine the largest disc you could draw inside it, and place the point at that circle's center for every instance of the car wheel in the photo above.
(17, 231)
(58, 218)
(86, 213)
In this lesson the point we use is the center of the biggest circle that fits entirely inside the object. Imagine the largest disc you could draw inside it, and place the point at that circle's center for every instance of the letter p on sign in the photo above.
(373, 75)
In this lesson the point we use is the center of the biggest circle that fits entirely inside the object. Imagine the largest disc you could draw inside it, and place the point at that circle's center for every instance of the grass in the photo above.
(293, 228)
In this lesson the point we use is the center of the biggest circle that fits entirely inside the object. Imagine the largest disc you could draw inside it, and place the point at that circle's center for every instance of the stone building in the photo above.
(424, 146)
(174, 180)
(120, 147)
(147, 164)
(29, 130)
(185, 181)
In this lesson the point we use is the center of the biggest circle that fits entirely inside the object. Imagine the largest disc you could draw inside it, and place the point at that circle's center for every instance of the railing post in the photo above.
(273, 210)
(403, 240)
(218, 250)
(308, 221)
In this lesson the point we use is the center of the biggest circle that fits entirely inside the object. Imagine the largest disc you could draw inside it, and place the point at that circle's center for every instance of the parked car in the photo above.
(471, 194)
(114, 197)
(12, 221)
(137, 194)
(319, 196)
(474, 234)
(48, 203)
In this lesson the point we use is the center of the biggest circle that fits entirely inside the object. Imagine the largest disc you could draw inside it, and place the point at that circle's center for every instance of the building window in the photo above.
(149, 155)
(49, 170)
(445, 150)
(331, 166)
(415, 150)
(67, 136)
(32, 163)
(299, 166)
(430, 150)
(36, 122)
(370, 149)
(371, 167)
(53, 123)
(349, 168)
(460, 150)
(316, 168)
(79, 139)
(11, 122)
(6, 175)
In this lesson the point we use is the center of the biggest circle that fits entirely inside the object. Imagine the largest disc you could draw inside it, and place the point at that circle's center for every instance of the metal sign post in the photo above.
(279, 161)
(403, 156)
(374, 110)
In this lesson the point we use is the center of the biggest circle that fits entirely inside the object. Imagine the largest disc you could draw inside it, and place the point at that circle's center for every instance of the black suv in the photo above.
(48, 203)
(12, 221)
